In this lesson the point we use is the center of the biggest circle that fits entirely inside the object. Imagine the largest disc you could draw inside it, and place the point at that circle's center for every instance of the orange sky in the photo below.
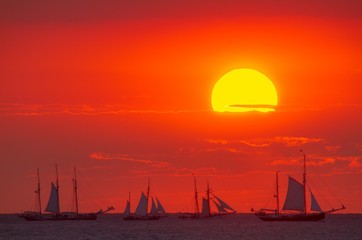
(122, 91)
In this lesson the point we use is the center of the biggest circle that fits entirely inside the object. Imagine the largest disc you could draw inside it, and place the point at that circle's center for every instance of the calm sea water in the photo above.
(238, 226)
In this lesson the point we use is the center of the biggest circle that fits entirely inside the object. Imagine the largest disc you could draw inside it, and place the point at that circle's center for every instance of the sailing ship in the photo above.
(53, 207)
(295, 204)
(142, 213)
(222, 207)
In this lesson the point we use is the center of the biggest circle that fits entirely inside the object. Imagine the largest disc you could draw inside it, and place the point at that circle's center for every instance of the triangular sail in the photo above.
(295, 196)
(154, 211)
(160, 208)
(223, 204)
(141, 209)
(205, 208)
(53, 203)
(127, 210)
(220, 209)
(314, 204)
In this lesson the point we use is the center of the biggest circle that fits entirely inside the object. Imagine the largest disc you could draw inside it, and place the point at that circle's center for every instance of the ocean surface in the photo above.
(237, 226)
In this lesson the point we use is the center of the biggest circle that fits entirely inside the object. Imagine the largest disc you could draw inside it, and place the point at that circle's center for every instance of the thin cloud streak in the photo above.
(266, 142)
(33, 110)
(125, 157)
(352, 161)
(313, 108)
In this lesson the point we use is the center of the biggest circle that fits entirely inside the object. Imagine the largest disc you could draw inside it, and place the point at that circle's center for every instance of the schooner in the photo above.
(295, 204)
(222, 207)
(142, 213)
(53, 207)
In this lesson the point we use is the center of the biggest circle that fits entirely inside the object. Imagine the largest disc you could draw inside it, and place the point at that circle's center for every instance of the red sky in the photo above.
(122, 89)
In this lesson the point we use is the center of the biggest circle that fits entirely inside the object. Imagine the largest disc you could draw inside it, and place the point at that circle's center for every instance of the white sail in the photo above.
(154, 211)
(314, 204)
(220, 209)
(141, 209)
(205, 208)
(127, 210)
(295, 196)
(53, 203)
(224, 204)
(160, 208)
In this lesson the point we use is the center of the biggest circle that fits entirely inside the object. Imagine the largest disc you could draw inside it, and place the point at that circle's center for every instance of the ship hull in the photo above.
(198, 216)
(59, 217)
(272, 217)
(141, 218)
(189, 216)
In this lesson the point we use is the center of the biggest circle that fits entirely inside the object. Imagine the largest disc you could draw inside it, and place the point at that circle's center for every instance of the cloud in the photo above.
(179, 172)
(294, 162)
(217, 141)
(266, 142)
(253, 107)
(285, 162)
(125, 157)
(226, 149)
(34, 110)
(296, 141)
(77, 109)
(255, 144)
(312, 108)
(352, 161)
(333, 148)
(359, 146)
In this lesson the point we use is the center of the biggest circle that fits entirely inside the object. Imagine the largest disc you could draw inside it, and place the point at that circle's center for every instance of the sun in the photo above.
(244, 90)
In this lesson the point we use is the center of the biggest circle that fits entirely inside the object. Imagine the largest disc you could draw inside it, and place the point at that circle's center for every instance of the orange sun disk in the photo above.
(244, 90)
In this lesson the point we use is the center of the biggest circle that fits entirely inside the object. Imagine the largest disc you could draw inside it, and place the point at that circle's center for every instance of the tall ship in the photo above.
(295, 205)
(222, 208)
(142, 211)
(52, 210)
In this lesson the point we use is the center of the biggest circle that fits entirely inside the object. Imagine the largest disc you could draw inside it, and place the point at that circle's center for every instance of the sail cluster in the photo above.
(142, 207)
(222, 207)
(294, 200)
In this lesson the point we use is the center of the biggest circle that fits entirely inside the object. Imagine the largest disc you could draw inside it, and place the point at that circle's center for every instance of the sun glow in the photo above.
(244, 90)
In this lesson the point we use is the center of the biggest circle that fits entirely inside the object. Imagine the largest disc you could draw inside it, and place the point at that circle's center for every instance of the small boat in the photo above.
(53, 206)
(142, 213)
(222, 207)
(295, 204)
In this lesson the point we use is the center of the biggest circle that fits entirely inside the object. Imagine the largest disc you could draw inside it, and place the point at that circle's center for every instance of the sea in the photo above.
(236, 226)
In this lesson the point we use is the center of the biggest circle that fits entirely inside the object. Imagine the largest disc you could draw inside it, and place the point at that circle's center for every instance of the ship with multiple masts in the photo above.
(222, 207)
(52, 210)
(142, 211)
(295, 204)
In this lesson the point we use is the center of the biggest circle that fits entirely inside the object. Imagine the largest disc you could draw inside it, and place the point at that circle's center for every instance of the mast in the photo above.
(129, 202)
(277, 191)
(57, 184)
(304, 183)
(75, 185)
(208, 197)
(196, 198)
(148, 195)
(38, 192)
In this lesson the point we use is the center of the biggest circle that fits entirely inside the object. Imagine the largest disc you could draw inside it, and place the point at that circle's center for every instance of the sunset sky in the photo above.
(122, 91)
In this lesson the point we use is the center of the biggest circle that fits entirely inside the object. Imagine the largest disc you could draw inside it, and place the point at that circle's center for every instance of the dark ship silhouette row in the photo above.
(157, 210)
(294, 208)
(52, 210)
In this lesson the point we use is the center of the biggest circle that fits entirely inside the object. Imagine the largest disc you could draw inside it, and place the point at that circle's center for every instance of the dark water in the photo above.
(239, 226)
